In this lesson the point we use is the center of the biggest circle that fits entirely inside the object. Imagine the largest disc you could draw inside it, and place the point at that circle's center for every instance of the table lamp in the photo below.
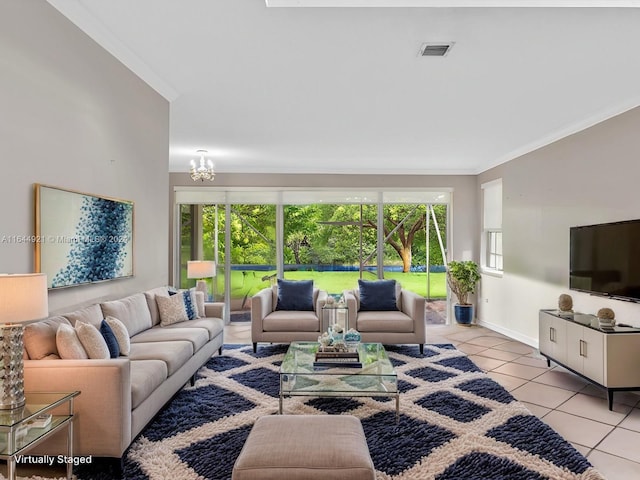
(23, 298)
(201, 269)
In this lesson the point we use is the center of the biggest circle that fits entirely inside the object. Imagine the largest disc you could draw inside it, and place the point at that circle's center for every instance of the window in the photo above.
(492, 225)
(494, 250)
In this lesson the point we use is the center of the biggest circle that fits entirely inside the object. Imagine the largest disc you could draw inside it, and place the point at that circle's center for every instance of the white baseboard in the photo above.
(532, 342)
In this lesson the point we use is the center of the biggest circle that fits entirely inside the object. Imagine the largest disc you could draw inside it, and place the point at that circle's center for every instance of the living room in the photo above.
(78, 118)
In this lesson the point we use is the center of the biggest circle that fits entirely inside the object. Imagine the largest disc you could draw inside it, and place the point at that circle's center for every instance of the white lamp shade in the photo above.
(23, 297)
(201, 269)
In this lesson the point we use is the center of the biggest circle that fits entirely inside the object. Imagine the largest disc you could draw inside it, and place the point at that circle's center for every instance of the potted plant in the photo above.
(462, 277)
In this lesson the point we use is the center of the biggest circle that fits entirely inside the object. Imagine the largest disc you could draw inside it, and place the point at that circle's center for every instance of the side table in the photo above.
(16, 437)
(335, 313)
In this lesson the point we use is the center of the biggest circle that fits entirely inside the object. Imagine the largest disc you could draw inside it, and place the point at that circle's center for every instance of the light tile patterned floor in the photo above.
(570, 405)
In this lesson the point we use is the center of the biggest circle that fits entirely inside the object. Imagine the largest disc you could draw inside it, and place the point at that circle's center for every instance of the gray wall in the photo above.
(74, 117)
(586, 178)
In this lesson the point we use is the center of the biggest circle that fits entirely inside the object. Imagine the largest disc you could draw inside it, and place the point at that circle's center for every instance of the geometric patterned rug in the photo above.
(455, 422)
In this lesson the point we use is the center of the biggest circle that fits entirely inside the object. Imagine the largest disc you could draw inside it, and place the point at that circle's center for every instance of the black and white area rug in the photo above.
(455, 422)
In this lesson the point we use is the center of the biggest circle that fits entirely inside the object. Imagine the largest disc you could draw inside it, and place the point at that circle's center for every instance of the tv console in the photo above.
(607, 357)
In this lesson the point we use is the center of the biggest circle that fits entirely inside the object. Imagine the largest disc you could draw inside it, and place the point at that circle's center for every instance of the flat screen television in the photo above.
(605, 259)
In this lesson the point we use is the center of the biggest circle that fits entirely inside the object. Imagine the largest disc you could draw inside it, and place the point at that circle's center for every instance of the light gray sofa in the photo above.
(407, 324)
(284, 326)
(120, 396)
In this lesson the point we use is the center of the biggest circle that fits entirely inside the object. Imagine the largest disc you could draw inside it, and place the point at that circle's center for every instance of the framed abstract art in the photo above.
(82, 238)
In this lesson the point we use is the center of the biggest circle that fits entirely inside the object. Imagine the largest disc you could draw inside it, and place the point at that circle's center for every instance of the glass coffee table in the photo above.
(376, 378)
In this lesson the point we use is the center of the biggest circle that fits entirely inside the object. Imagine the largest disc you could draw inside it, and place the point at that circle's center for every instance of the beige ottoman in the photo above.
(305, 447)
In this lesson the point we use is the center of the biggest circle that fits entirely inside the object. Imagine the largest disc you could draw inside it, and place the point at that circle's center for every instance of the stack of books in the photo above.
(337, 359)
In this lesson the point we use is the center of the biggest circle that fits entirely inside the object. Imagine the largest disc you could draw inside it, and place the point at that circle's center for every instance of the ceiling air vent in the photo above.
(435, 49)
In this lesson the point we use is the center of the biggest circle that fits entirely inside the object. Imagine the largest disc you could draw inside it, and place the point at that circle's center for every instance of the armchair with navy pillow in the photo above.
(382, 311)
(289, 311)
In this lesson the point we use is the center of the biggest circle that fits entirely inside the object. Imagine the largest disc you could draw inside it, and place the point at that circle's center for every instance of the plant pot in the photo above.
(463, 314)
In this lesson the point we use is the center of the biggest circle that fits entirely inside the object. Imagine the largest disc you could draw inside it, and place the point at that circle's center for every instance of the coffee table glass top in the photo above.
(299, 377)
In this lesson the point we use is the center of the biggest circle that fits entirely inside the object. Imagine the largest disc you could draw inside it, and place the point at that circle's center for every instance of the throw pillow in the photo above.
(92, 341)
(190, 303)
(68, 343)
(295, 295)
(40, 337)
(122, 334)
(110, 339)
(171, 310)
(377, 295)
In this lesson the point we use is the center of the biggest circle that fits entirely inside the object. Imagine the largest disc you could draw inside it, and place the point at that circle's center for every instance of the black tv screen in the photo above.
(605, 259)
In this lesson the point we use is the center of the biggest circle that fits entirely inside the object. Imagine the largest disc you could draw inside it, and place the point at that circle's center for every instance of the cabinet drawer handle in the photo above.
(583, 348)
(552, 334)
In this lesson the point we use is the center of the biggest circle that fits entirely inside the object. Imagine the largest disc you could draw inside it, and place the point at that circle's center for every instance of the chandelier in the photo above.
(204, 171)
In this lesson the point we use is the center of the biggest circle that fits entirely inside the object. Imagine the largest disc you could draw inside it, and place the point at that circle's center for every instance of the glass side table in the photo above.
(335, 313)
(17, 437)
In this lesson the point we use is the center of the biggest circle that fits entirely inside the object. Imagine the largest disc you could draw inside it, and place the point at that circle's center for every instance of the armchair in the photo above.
(287, 312)
(382, 311)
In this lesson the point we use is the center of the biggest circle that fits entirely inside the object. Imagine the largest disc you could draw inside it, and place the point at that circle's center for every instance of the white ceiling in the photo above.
(341, 90)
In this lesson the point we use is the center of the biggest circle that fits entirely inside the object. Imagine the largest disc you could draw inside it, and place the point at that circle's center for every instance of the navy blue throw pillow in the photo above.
(377, 295)
(110, 339)
(295, 295)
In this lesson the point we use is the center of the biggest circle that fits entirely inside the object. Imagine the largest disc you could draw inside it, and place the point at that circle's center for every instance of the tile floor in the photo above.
(570, 405)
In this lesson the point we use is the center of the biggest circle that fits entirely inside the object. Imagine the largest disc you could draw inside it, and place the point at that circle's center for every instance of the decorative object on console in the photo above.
(23, 298)
(565, 303)
(462, 277)
(204, 170)
(201, 269)
(82, 238)
(606, 317)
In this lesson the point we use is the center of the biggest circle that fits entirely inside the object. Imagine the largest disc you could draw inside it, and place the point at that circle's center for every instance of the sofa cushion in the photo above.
(377, 295)
(384, 321)
(92, 341)
(215, 326)
(197, 336)
(295, 295)
(173, 354)
(133, 311)
(289, 321)
(91, 315)
(146, 376)
(172, 310)
(150, 297)
(40, 337)
(121, 333)
(110, 339)
(68, 343)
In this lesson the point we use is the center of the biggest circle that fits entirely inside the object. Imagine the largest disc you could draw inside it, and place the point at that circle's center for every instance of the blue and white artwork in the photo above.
(82, 238)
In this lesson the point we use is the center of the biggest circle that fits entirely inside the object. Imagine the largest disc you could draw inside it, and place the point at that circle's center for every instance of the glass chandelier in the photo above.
(203, 171)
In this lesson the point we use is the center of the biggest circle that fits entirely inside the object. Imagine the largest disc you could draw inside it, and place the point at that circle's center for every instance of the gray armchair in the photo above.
(270, 323)
(404, 322)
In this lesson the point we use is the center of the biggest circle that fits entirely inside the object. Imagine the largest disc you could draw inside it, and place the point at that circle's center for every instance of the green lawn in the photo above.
(248, 282)
(335, 282)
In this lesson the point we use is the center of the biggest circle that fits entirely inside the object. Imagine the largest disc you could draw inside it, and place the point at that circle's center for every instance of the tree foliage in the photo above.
(324, 234)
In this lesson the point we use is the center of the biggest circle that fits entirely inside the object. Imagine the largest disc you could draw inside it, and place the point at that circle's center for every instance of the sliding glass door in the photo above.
(333, 238)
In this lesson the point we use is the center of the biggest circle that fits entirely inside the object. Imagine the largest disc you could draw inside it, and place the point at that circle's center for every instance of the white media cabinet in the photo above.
(608, 357)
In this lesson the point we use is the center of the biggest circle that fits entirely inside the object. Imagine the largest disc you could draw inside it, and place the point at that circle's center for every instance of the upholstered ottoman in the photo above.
(305, 447)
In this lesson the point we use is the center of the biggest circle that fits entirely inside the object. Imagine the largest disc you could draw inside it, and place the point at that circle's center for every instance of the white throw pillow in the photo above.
(172, 310)
(121, 333)
(68, 343)
(92, 341)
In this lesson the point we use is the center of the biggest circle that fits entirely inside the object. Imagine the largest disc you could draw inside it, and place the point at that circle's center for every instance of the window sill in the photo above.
(491, 272)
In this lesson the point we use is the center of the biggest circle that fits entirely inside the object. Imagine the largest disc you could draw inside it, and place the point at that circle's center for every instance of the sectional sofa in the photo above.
(119, 396)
